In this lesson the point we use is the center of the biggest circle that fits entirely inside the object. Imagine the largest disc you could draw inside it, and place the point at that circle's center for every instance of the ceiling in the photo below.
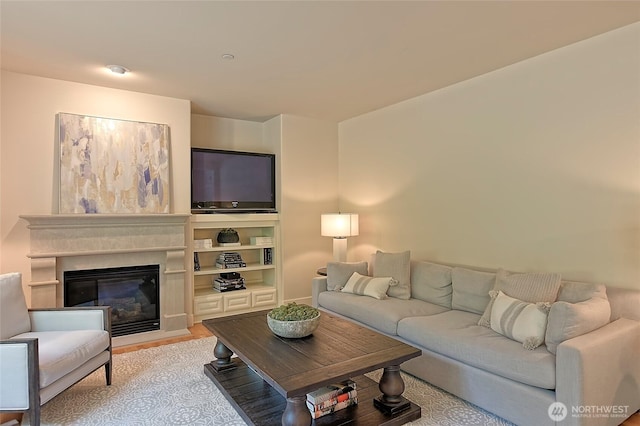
(330, 60)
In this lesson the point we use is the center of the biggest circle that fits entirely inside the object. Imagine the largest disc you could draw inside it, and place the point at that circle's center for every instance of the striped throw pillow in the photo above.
(529, 287)
(518, 320)
(368, 286)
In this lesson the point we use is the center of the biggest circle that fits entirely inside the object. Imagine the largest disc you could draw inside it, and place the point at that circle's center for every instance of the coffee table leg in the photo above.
(391, 385)
(296, 413)
(223, 357)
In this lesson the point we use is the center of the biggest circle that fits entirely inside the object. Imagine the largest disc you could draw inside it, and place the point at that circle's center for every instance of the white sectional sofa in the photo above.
(589, 359)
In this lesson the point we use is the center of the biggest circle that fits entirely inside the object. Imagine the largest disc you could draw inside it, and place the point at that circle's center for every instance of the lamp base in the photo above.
(340, 249)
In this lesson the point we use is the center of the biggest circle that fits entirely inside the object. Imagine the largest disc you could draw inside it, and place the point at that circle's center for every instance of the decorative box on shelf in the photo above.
(261, 241)
(206, 243)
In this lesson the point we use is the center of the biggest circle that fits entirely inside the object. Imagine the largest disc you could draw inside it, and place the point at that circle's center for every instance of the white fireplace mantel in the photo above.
(64, 242)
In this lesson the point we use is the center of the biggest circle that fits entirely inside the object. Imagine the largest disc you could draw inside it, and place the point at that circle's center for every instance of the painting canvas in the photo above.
(113, 166)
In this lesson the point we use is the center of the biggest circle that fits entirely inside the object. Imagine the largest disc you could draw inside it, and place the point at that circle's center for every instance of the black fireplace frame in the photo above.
(92, 279)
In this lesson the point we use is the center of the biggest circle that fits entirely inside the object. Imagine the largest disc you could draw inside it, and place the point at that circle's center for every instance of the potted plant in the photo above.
(293, 320)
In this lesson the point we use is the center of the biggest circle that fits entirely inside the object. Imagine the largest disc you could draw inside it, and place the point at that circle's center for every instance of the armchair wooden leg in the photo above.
(107, 372)
(34, 415)
(34, 383)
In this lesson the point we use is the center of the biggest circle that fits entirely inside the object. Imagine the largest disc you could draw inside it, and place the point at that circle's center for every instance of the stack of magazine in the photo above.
(332, 398)
(228, 282)
(230, 259)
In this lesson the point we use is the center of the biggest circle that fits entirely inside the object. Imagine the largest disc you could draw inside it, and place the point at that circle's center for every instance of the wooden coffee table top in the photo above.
(337, 350)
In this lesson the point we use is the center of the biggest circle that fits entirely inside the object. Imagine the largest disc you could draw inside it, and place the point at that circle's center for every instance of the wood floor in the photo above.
(198, 331)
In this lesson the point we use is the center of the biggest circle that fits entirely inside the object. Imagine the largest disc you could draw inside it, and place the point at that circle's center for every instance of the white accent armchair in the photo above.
(45, 351)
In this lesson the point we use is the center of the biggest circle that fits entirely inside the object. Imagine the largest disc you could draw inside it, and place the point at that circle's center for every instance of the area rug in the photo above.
(166, 385)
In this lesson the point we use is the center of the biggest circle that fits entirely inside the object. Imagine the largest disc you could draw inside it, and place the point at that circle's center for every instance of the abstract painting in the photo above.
(113, 166)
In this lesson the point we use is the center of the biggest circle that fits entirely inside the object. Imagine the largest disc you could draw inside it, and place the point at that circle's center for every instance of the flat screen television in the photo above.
(232, 181)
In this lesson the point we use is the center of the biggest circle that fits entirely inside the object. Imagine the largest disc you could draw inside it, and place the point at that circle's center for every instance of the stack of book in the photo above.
(332, 398)
(230, 259)
(228, 284)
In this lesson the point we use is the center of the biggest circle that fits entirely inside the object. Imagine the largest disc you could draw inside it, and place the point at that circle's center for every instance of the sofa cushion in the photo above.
(456, 334)
(338, 273)
(63, 351)
(368, 286)
(432, 283)
(471, 289)
(580, 309)
(383, 315)
(521, 321)
(14, 315)
(397, 266)
(529, 287)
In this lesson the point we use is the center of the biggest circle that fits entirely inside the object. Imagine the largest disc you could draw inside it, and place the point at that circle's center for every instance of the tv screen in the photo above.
(232, 181)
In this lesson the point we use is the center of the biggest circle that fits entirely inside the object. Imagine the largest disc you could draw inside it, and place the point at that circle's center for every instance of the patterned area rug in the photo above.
(166, 386)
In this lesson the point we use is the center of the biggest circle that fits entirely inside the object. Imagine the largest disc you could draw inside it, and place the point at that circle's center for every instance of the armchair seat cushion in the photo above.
(63, 351)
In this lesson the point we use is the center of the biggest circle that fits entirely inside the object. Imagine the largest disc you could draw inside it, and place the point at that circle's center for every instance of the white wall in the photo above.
(28, 182)
(226, 133)
(310, 170)
(532, 167)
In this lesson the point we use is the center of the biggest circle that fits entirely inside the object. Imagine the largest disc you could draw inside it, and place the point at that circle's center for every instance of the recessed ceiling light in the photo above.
(228, 56)
(118, 69)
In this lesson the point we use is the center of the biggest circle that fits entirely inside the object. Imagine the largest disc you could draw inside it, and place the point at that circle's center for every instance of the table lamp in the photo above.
(339, 226)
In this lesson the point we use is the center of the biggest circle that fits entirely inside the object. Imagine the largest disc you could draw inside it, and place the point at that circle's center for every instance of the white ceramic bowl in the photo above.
(293, 329)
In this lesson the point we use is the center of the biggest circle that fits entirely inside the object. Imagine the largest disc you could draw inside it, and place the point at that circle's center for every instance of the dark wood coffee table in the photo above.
(268, 382)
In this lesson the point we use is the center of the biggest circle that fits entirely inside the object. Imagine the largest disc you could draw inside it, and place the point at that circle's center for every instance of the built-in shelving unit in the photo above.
(262, 279)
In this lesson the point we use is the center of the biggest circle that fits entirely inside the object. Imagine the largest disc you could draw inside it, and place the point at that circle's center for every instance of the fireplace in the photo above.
(132, 292)
(81, 242)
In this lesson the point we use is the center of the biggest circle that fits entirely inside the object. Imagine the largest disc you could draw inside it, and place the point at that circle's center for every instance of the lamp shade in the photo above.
(339, 225)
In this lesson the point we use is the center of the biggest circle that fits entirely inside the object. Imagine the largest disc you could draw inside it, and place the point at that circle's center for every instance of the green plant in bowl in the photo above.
(293, 320)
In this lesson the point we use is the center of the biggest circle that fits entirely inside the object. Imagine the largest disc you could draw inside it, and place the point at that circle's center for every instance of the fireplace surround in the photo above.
(61, 243)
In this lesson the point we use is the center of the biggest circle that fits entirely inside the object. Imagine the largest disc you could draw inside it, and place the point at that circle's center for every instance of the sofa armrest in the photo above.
(68, 319)
(318, 285)
(600, 369)
(20, 375)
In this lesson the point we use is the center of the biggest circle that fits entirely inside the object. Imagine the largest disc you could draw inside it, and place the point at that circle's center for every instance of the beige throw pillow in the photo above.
(368, 286)
(520, 321)
(397, 266)
(338, 273)
(569, 319)
(529, 287)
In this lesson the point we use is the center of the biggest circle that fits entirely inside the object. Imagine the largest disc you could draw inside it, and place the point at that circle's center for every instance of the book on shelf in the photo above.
(266, 256)
(230, 265)
(332, 401)
(230, 255)
(223, 284)
(333, 408)
(330, 391)
(227, 260)
(223, 289)
(196, 262)
(229, 282)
